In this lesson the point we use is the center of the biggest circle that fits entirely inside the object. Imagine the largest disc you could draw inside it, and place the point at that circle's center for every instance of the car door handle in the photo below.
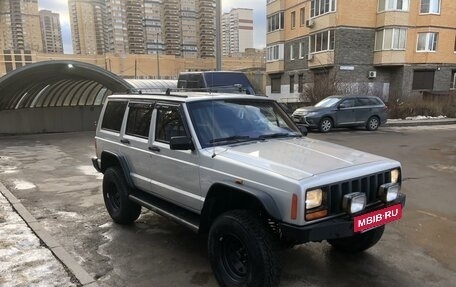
(154, 148)
(125, 141)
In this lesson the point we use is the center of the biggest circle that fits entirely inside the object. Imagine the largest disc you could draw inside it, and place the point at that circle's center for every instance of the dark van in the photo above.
(216, 81)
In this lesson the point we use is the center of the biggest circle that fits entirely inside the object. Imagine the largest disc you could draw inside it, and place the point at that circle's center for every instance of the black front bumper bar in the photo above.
(330, 229)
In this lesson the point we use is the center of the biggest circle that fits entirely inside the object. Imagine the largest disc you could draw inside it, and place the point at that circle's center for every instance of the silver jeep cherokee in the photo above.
(237, 168)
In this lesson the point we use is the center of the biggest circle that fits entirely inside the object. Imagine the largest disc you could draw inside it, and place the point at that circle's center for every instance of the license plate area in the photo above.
(367, 221)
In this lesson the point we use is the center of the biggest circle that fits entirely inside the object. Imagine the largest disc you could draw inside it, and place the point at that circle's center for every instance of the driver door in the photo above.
(346, 114)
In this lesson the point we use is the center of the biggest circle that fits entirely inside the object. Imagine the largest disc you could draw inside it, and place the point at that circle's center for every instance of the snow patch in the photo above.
(441, 167)
(23, 185)
(425, 118)
(90, 170)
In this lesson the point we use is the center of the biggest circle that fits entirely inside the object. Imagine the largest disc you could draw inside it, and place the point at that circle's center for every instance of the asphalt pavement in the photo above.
(52, 177)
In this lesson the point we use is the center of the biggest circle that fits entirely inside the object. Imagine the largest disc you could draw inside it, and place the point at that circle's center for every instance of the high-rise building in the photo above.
(237, 31)
(51, 32)
(153, 34)
(116, 22)
(206, 28)
(389, 47)
(20, 25)
(135, 30)
(88, 26)
(174, 27)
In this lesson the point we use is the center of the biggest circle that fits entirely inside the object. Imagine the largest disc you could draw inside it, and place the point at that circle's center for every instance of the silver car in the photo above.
(238, 169)
(343, 111)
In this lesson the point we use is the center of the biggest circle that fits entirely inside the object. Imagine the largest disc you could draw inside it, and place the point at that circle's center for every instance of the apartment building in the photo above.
(51, 32)
(88, 26)
(237, 31)
(381, 47)
(173, 27)
(20, 25)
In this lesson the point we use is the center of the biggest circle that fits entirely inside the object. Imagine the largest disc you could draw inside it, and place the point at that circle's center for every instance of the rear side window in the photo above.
(361, 102)
(138, 122)
(113, 115)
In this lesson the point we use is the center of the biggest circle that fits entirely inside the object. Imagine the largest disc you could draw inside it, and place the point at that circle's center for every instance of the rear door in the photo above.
(136, 138)
(364, 109)
(174, 174)
(345, 115)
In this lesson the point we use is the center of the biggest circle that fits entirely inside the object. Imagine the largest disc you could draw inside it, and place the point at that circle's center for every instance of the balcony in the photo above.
(389, 58)
(320, 59)
(275, 67)
(396, 18)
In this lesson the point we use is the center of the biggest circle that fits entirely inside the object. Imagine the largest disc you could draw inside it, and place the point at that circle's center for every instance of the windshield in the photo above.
(222, 122)
(328, 102)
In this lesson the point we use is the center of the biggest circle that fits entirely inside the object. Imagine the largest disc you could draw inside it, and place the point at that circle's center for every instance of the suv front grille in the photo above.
(367, 184)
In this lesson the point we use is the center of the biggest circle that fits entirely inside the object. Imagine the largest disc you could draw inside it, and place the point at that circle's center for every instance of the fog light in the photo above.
(388, 192)
(354, 202)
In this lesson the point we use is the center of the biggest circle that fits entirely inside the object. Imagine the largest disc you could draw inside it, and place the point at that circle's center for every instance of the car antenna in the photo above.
(213, 121)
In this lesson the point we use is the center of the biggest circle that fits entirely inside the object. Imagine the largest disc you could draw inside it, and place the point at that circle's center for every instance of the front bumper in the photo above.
(306, 121)
(330, 229)
(96, 164)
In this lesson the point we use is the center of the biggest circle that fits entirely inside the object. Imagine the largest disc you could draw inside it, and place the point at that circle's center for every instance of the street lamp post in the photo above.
(218, 37)
(158, 59)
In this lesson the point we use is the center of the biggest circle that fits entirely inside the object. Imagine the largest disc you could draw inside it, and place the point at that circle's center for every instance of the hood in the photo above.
(309, 109)
(296, 158)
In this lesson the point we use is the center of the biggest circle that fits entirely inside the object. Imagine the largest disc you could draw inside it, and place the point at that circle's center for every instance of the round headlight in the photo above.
(395, 173)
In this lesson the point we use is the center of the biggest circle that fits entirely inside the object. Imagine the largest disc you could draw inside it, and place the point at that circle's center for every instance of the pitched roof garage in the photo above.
(58, 96)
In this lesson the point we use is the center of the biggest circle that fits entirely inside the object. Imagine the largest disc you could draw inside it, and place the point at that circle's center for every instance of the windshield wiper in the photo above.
(230, 138)
(278, 135)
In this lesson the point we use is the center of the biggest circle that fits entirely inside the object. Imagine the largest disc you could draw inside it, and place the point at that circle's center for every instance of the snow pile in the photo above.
(425, 118)
(24, 262)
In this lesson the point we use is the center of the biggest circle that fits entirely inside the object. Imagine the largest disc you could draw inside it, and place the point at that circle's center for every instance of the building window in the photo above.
(390, 39)
(300, 83)
(292, 55)
(275, 84)
(291, 83)
(393, 5)
(323, 41)
(302, 17)
(430, 7)
(293, 20)
(302, 51)
(275, 22)
(275, 52)
(320, 7)
(423, 80)
(427, 42)
(453, 79)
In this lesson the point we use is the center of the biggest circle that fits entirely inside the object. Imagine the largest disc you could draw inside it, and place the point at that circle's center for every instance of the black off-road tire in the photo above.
(325, 125)
(358, 242)
(373, 123)
(243, 251)
(115, 194)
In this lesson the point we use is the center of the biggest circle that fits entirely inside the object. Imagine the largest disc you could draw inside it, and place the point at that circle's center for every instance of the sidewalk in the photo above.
(29, 256)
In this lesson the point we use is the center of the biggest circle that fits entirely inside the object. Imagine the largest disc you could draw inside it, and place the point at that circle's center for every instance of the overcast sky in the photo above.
(258, 6)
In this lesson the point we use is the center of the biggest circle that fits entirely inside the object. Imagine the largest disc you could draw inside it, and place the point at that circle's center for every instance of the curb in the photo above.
(61, 254)
(411, 123)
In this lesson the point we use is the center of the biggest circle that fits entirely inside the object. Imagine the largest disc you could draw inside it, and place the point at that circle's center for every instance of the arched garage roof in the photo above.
(58, 84)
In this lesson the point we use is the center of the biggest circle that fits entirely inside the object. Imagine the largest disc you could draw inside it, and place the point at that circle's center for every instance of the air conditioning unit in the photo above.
(310, 57)
(310, 23)
(372, 74)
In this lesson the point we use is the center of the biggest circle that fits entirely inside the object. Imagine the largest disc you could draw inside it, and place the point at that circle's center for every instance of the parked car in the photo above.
(236, 168)
(216, 81)
(343, 111)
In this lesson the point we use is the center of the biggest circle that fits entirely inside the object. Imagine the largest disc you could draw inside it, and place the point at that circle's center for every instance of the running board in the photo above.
(176, 213)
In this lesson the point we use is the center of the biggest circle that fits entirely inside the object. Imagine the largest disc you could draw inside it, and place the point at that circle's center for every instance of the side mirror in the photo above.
(181, 143)
(303, 130)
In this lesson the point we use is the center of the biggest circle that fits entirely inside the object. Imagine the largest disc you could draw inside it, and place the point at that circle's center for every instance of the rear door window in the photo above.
(139, 117)
(362, 102)
(113, 115)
